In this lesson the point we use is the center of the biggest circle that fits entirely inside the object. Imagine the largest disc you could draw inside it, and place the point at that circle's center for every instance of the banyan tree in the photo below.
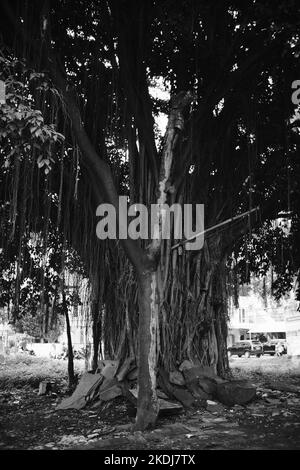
(89, 72)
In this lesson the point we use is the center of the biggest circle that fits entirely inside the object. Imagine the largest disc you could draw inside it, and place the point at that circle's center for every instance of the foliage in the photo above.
(22, 125)
(270, 248)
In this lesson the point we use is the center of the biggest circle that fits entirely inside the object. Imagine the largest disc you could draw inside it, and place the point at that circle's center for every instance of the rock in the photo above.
(107, 362)
(208, 386)
(87, 385)
(197, 392)
(186, 365)
(44, 388)
(176, 378)
(164, 405)
(174, 391)
(109, 371)
(111, 391)
(236, 392)
(210, 402)
(185, 397)
(174, 429)
(197, 372)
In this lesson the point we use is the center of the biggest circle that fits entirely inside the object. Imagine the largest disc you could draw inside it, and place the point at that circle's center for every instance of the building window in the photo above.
(242, 315)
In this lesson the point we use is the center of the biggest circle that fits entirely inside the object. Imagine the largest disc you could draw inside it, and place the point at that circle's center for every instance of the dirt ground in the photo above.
(271, 421)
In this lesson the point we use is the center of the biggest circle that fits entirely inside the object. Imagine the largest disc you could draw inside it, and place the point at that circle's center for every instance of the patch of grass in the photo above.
(266, 368)
(21, 370)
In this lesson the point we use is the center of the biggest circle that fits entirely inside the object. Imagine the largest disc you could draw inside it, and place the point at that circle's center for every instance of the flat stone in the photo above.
(177, 428)
(176, 378)
(163, 404)
(109, 390)
(196, 372)
(208, 385)
(186, 365)
(78, 399)
(197, 391)
(109, 371)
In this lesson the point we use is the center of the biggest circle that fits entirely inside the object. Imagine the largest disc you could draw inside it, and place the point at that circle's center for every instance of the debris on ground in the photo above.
(192, 386)
(270, 420)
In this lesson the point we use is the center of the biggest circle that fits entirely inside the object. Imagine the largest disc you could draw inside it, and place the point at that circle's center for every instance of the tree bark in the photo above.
(147, 405)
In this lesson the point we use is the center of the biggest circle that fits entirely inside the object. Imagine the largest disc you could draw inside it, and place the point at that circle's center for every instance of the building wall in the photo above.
(293, 334)
(257, 315)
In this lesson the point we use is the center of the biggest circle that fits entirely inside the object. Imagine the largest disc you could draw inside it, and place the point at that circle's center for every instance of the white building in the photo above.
(271, 318)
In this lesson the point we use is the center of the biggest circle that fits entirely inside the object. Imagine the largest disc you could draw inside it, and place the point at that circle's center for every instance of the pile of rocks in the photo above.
(188, 386)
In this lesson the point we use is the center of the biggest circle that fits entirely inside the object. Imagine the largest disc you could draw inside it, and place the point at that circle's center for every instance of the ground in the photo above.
(30, 421)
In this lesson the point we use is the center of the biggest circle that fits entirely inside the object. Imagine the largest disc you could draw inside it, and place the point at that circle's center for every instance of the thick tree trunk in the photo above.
(147, 406)
(143, 261)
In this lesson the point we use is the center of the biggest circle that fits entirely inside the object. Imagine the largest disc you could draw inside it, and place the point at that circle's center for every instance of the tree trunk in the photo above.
(144, 261)
(147, 406)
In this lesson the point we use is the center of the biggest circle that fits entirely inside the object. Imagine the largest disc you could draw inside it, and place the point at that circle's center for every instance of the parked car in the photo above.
(272, 347)
(269, 348)
(246, 348)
